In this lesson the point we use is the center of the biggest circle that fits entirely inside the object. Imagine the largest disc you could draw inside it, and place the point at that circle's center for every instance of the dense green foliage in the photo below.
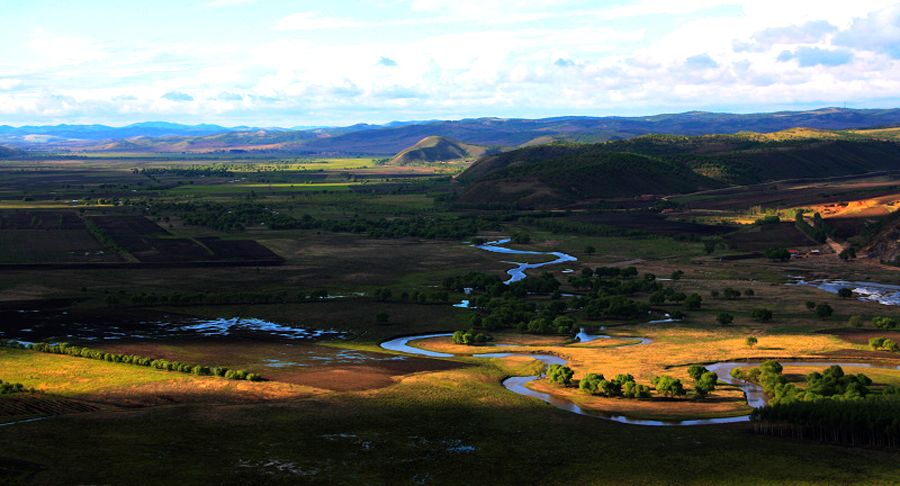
(668, 386)
(560, 374)
(622, 385)
(831, 383)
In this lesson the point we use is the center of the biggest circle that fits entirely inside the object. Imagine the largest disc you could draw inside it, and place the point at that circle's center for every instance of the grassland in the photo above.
(343, 411)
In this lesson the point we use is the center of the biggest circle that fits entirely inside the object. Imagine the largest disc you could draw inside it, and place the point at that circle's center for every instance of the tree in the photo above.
(778, 254)
(696, 371)
(751, 341)
(845, 292)
(564, 325)
(724, 318)
(847, 254)
(731, 294)
(705, 384)
(693, 301)
(521, 237)
(560, 374)
(714, 294)
(762, 315)
(677, 274)
(382, 318)
(824, 311)
(669, 386)
(749, 293)
(810, 305)
(855, 321)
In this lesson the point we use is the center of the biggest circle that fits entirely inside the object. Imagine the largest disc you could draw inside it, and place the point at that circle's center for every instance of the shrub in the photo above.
(751, 341)
(845, 292)
(855, 321)
(762, 315)
(724, 318)
(824, 311)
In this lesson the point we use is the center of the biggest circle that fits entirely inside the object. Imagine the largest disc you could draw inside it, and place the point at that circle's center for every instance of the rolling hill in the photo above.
(437, 149)
(561, 174)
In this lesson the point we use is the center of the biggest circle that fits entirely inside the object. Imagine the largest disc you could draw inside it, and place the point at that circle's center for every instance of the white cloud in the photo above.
(313, 21)
(226, 3)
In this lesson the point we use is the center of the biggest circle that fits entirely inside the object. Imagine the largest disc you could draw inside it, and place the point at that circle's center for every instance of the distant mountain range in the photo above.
(391, 138)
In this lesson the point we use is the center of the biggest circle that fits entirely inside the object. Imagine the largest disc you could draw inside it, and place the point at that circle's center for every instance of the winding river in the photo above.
(518, 384)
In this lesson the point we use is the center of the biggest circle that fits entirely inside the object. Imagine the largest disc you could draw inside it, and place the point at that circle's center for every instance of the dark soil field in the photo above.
(652, 223)
(793, 194)
(49, 236)
(761, 238)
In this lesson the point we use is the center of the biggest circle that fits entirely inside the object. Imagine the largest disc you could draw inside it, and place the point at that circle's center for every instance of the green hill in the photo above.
(561, 174)
(437, 149)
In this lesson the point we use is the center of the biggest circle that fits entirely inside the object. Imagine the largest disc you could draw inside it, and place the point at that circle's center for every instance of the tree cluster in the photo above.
(883, 344)
(623, 385)
(471, 337)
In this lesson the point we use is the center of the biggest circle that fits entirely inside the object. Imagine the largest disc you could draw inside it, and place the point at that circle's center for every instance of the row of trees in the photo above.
(159, 364)
(624, 385)
(729, 293)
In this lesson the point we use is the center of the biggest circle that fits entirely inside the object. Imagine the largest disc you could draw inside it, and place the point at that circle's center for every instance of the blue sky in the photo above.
(289, 63)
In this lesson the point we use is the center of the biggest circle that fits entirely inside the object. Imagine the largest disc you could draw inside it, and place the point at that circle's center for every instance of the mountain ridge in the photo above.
(391, 138)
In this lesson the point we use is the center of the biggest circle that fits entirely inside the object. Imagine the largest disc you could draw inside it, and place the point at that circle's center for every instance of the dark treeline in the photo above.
(123, 298)
(871, 422)
(562, 226)
(7, 388)
(237, 217)
(159, 364)
(200, 171)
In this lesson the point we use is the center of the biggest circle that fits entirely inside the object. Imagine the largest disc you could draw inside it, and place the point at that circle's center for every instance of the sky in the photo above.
(340, 62)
